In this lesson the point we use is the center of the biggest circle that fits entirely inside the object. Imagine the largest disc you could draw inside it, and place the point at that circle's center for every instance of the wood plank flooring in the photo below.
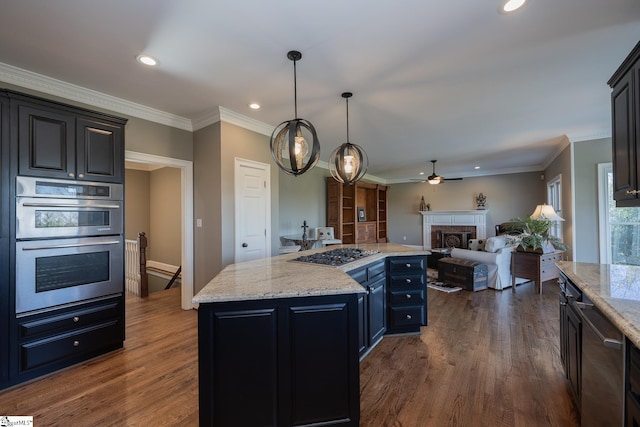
(486, 359)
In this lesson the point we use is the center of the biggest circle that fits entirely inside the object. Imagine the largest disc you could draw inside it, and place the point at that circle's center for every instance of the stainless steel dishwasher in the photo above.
(602, 368)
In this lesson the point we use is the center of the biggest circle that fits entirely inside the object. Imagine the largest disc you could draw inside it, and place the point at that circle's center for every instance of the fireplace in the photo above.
(452, 228)
(452, 236)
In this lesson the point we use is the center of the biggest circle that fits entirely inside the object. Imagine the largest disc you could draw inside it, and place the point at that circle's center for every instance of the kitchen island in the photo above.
(278, 340)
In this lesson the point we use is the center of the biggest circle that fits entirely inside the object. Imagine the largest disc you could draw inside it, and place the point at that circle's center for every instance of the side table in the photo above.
(534, 266)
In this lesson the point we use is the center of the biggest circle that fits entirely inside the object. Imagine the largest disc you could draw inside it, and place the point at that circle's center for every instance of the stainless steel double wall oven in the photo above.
(69, 242)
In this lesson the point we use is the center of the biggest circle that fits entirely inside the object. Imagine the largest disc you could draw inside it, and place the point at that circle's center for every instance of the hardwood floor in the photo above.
(486, 359)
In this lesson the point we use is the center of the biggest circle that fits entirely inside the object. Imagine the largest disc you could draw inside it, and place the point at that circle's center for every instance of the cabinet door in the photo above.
(564, 337)
(100, 151)
(4, 241)
(624, 171)
(377, 310)
(46, 142)
(363, 342)
(238, 352)
(573, 359)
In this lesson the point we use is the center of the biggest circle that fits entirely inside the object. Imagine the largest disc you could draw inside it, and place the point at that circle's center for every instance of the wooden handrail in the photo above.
(173, 279)
(144, 277)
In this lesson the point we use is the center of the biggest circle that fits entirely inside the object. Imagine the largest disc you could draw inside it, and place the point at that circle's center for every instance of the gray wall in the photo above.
(561, 165)
(508, 196)
(153, 205)
(136, 203)
(303, 198)
(587, 155)
(165, 231)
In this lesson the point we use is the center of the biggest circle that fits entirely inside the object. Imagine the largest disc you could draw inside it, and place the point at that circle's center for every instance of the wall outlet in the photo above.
(404, 237)
(199, 222)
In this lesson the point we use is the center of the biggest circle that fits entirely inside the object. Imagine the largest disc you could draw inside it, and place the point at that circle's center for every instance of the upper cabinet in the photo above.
(59, 141)
(625, 111)
(357, 212)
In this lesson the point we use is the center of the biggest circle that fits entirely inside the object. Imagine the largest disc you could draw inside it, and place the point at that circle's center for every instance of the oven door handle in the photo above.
(607, 342)
(71, 245)
(62, 205)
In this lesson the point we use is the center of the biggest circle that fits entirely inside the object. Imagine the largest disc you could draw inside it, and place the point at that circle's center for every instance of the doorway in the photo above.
(186, 202)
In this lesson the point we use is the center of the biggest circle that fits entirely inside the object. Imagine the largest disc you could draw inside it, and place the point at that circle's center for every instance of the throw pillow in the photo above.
(476, 244)
(494, 244)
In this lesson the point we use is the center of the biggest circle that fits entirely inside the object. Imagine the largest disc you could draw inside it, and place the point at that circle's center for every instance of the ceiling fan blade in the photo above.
(451, 179)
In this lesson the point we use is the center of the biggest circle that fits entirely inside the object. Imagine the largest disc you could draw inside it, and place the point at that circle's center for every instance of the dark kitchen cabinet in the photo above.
(59, 141)
(407, 295)
(625, 112)
(60, 338)
(571, 337)
(4, 241)
(632, 386)
(372, 306)
(279, 362)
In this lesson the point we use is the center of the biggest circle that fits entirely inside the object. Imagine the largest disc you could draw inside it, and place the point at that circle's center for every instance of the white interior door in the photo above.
(252, 210)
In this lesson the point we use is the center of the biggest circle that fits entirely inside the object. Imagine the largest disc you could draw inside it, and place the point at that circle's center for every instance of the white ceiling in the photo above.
(451, 80)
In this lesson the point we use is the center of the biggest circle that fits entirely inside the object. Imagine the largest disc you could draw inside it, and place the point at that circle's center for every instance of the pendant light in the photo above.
(348, 163)
(289, 147)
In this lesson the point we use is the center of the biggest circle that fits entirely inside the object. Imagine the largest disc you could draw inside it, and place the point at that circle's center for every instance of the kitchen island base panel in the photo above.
(279, 362)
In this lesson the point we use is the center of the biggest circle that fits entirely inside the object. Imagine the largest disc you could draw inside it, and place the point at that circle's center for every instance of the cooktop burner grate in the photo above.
(339, 256)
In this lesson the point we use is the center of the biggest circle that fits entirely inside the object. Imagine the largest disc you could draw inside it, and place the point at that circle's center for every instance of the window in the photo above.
(619, 227)
(554, 198)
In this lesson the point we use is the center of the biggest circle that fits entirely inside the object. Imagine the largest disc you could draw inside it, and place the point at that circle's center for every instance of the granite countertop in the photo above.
(280, 277)
(614, 289)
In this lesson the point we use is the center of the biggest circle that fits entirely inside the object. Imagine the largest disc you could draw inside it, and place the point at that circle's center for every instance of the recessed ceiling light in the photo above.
(421, 173)
(254, 106)
(147, 60)
(476, 167)
(510, 6)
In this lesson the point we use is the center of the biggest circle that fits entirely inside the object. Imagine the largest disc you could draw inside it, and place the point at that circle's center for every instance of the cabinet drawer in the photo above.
(74, 319)
(407, 297)
(407, 316)
(411, 280)
(407, 264)
(77, 343)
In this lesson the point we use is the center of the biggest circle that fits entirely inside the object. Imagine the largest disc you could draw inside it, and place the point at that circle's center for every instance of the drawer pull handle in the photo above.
(632, 192)
(76, 343)
(408, 265)
(76, 319)
(408, 296)
(409, 317)
(408, 280)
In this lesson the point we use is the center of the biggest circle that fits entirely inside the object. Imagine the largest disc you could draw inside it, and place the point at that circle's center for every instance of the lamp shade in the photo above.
(546, 212)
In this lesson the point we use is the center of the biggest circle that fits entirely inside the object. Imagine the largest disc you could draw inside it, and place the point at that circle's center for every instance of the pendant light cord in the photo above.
(347, 99)
(295, 91)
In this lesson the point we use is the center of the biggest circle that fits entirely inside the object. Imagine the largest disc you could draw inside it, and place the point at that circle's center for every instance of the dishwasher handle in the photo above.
(607, 342)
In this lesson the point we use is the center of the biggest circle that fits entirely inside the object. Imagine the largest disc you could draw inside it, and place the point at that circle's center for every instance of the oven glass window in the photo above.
(72, 219)
(63, 271)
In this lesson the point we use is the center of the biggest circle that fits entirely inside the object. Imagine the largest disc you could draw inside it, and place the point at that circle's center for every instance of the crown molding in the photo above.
(51, 86)
(222, 114)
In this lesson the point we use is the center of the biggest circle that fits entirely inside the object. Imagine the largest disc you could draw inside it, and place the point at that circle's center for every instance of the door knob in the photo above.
(244, 245)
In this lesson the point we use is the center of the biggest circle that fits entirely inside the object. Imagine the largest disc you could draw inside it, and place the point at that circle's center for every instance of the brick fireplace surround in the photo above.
(456, 227)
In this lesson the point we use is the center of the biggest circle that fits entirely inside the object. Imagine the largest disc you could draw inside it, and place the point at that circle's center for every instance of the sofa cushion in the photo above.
(494, 244)
(476, 244)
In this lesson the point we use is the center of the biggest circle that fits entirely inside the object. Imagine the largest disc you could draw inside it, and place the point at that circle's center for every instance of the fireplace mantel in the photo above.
(477, 218)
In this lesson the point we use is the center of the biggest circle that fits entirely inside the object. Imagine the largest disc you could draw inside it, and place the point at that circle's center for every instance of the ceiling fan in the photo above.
(434, 178)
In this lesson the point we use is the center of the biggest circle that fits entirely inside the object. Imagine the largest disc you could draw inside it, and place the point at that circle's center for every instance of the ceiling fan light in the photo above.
(433, 179)
(289, 147)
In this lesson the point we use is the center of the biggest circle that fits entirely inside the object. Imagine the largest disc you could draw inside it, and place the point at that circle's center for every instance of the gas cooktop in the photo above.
(339, 256)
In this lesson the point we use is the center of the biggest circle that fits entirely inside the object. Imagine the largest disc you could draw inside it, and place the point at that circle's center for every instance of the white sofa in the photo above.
(495, 253)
